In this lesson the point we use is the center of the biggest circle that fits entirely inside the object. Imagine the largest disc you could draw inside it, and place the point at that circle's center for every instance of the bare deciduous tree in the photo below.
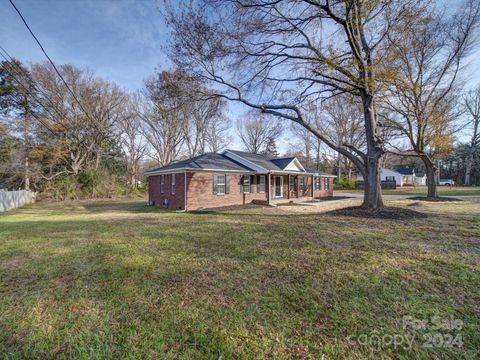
(280, 56)
(182, 119)
(133, 143)
(217, 136)
(256, 130)
(472, 104)
(342, 122)
(164, 116)
(428, 55)
(83, 132)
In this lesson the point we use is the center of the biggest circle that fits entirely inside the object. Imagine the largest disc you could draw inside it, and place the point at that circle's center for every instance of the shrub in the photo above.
(344, 184)
(88, 180)
(88, 184)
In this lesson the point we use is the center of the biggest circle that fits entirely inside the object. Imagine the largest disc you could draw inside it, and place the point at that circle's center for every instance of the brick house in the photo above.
(234, 178)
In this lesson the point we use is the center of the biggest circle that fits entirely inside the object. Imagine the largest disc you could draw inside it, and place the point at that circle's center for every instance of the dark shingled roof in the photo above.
(205, 161)
(419, 174)
(258, 159)
(213, 161)
(405, 170)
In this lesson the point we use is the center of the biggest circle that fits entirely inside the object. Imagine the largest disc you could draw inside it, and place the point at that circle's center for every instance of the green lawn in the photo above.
(122, 280)
(422, 190)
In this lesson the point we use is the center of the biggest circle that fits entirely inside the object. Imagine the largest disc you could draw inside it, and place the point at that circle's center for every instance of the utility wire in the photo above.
(55, 68)
(10, 61)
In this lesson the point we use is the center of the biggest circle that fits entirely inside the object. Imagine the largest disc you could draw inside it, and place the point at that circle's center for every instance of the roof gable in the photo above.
(257, 162)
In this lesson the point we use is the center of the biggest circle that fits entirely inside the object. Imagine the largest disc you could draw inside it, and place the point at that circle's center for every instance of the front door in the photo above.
(278, 186)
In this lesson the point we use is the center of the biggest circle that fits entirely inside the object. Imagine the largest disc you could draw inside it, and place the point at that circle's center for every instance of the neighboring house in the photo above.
(420, 179)
(402, 176)
(234, 178)
(407, 176)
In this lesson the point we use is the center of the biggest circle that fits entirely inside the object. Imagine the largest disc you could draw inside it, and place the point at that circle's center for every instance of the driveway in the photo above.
(359, 195)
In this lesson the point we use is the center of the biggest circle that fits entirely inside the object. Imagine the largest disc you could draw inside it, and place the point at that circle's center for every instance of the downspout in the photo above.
(185, 190)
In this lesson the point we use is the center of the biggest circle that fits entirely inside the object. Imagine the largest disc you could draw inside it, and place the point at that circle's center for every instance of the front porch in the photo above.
(286, 188)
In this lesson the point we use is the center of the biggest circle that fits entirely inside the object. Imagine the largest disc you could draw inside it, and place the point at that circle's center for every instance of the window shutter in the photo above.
(258, 183)
(252, 188)
(214, 187)
(241, 184)
(227, 184)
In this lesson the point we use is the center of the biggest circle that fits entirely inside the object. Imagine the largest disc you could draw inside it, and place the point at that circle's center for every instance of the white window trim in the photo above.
(246, 177)
(172, 185)
(302, 187)
(162, 184)
(224, 183)
(260, 183)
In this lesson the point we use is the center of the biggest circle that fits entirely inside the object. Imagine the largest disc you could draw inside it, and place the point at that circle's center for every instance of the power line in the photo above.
(11, 63)
(55, 68)
(47, 126)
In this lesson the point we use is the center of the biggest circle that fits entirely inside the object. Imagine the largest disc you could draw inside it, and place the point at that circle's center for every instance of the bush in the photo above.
(88, 179)
(61, 188)
(88, 184)
(344, 184)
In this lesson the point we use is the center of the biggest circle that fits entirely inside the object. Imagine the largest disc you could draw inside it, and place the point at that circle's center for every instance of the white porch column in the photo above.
(269, 189)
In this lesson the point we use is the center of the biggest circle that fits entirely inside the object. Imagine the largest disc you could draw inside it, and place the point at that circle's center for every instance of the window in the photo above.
(173, 184)
(302, 183)
(220, 184)
(317, 182)
(261, 184)
(291, 183)
(162, 183)
(245, 185)
(390, 178)
(326, 184)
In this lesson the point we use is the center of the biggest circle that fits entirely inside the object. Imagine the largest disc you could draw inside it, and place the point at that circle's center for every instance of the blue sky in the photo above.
(120, 40)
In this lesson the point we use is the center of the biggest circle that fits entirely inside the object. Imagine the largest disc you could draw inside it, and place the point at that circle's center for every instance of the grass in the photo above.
(422, 190)
(123, 280)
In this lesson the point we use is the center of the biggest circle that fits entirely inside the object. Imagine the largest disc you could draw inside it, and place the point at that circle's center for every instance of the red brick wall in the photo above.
(322, 192)
(174, 201)
(200, 192)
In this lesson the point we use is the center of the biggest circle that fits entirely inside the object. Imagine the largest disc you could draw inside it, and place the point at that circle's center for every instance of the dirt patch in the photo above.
(14, 261)
(392, 213)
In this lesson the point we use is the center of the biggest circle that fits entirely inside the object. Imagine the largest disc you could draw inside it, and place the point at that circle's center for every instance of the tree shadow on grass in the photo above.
(118, 298)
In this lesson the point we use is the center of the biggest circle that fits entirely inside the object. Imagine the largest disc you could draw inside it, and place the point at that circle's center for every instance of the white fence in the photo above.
(13, 199)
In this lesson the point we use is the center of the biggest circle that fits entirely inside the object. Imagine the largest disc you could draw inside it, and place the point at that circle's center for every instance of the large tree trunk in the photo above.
(468, 170)
(431, 171)
(372, 199)
(468, 166)
(339, 164)
(27, 174)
